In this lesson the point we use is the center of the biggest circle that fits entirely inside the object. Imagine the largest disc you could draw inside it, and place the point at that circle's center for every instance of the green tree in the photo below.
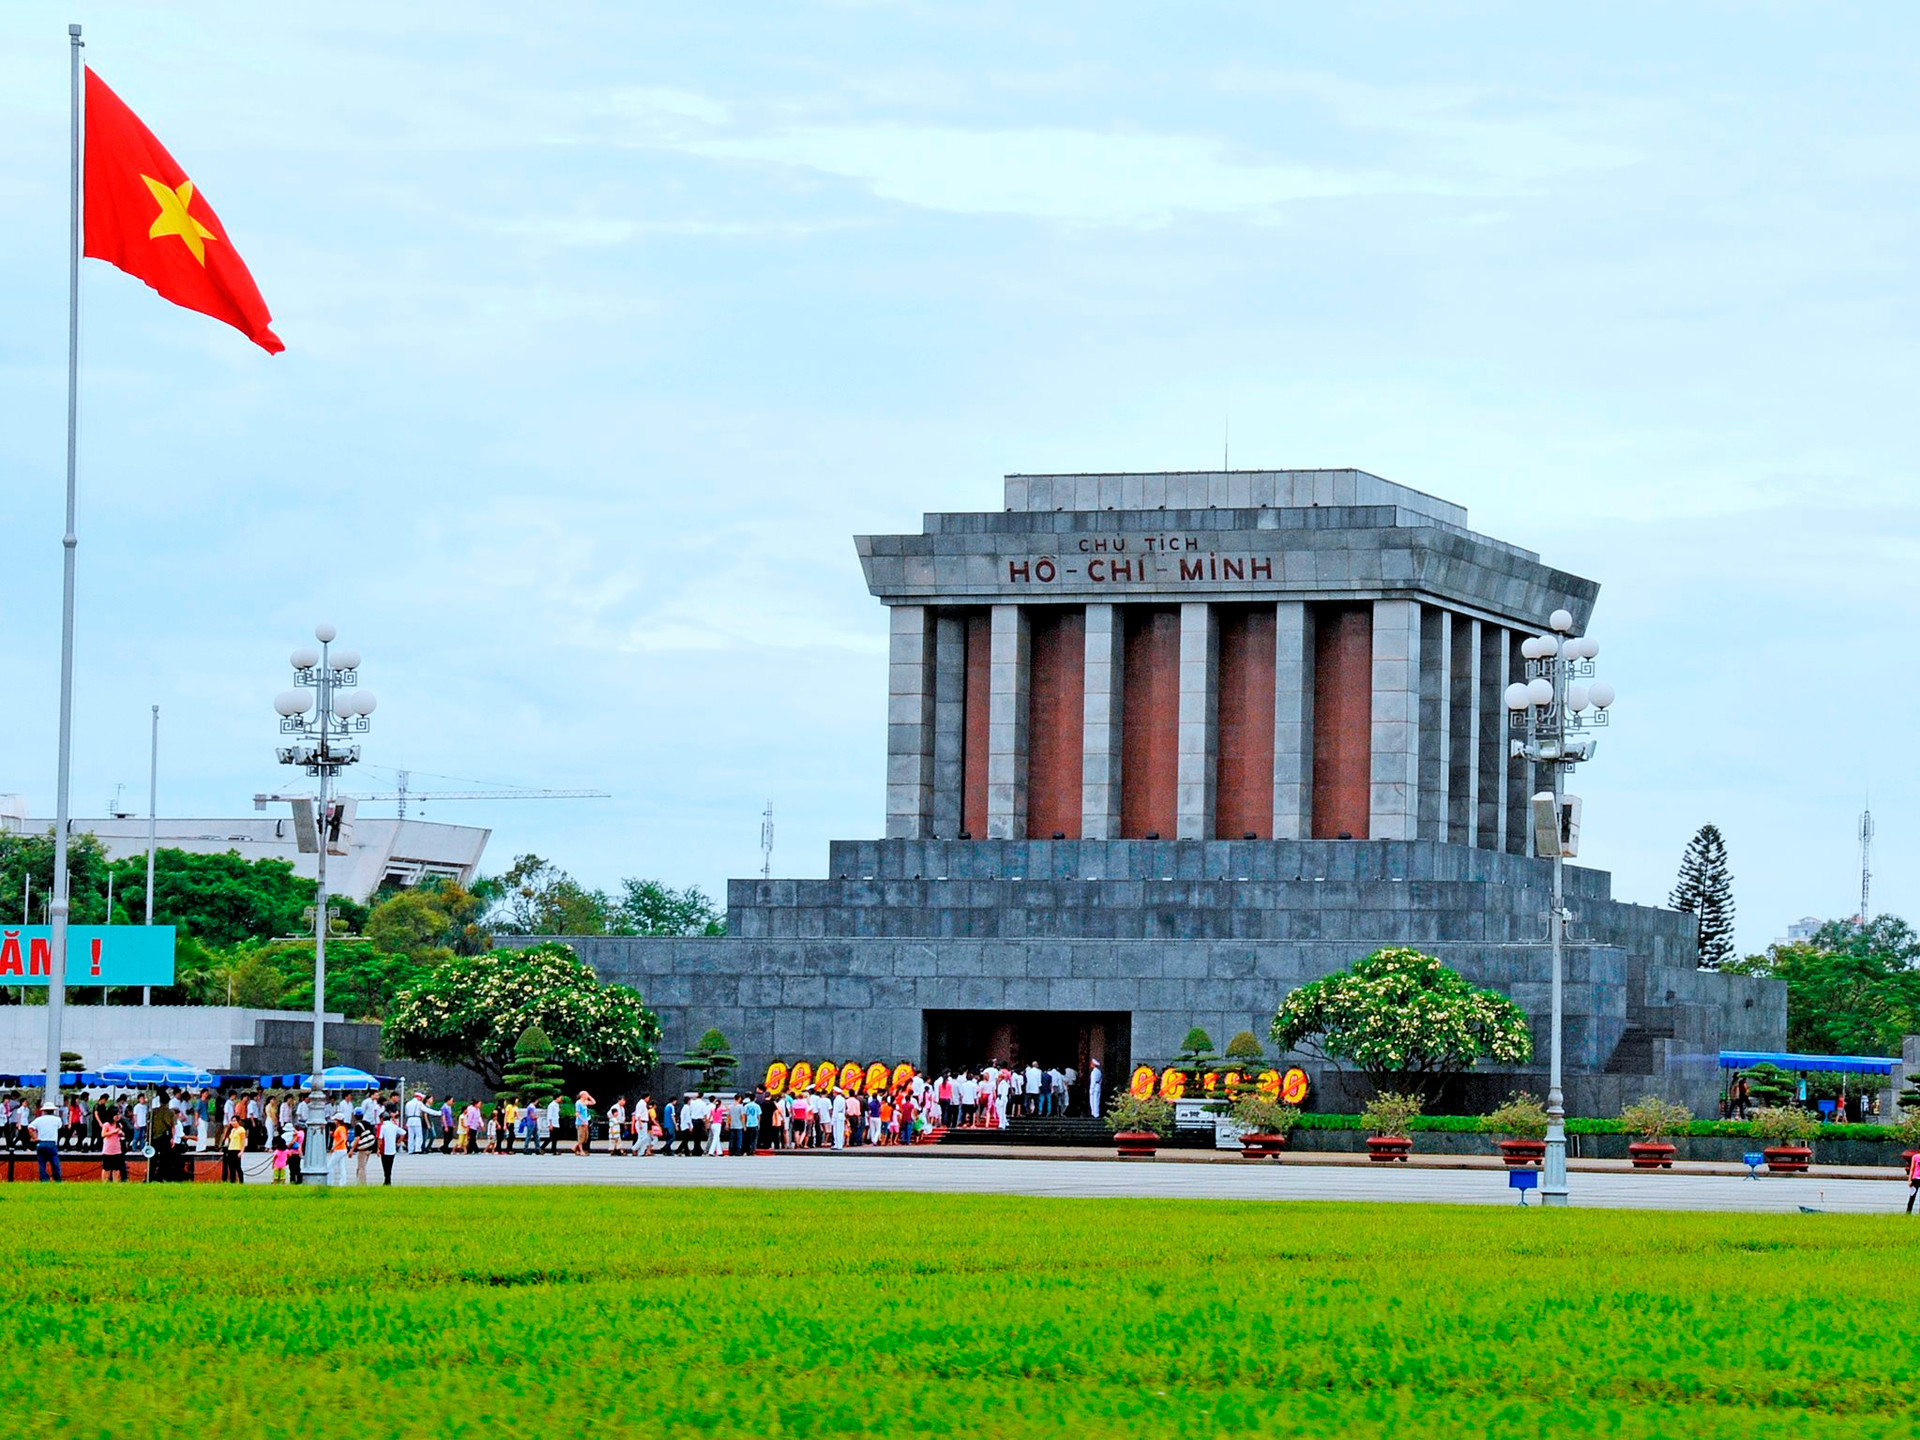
(434, 921)
(26, 856)
(648, 907)
(471, 1010)
(532, 1072)
(537, 897)
(1852, 989)
(1403, 1019)
(1705, 889)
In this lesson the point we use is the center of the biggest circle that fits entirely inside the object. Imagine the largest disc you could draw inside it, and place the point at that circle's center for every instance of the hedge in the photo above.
(1473, 1124)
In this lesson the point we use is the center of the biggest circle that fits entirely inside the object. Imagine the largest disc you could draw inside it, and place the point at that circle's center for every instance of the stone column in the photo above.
(949, 724)
(1394, 792)
(1436, 717)
(1491, 808)
(1100, 744)
(1007, 725)
(1519, 834)
(1199, 719)
(909, 723)
(1463, 788)
(1292, 721)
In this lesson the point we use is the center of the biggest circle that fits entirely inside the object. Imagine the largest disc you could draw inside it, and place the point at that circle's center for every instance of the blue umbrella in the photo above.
(157, 1070)
(343, 1077)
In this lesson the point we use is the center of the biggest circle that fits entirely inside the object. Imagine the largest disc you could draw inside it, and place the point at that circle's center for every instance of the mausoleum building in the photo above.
(1162, 747)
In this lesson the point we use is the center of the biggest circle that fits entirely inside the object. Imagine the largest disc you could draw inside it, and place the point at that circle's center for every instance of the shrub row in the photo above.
(1471, 1124)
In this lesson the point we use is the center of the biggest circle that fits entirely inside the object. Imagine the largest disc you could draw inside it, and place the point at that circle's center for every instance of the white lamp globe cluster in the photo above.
(1525, 694)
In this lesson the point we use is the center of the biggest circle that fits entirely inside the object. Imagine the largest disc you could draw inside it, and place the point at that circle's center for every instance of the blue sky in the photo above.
(606, 332)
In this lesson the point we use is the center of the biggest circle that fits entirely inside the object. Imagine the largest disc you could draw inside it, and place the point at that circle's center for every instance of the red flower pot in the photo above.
(1385, 1149)
(1788, 1159)
(1136, 1144)
(1522, 1153)
(1651, 1154)
(1262, 1147)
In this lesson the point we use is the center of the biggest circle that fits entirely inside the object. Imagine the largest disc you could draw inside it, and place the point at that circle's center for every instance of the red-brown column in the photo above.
(1150, 725)
(1243, 786)
(973, 789)
(1056, 719)
(1342, 721)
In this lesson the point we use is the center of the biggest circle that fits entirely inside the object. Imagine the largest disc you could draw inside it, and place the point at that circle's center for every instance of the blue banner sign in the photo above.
(96, 954)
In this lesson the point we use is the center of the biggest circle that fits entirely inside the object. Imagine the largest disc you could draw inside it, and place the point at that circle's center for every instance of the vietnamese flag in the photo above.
(145, 216)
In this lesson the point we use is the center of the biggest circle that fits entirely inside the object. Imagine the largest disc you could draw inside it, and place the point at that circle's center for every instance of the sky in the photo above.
(608, 327)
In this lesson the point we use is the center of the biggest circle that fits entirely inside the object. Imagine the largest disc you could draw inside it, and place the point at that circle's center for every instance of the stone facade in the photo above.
(1356, 637)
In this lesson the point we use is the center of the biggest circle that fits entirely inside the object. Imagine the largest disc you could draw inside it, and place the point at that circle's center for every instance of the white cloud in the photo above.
(1118, 178)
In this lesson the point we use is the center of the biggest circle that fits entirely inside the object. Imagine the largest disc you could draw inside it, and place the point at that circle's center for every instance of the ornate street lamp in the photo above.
(321, 714)
(1557, 702)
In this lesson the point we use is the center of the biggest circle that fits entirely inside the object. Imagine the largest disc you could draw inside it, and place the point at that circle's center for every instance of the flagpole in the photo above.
(57, 913)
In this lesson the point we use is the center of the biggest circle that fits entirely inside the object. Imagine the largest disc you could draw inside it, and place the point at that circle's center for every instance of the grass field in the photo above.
(573, 1311)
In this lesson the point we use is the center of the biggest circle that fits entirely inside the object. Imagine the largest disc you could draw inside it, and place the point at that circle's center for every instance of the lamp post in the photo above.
(1553, 706)
(327, 684)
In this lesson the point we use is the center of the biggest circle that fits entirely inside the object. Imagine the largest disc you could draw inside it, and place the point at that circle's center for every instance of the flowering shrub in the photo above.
(470, 1009)
(1401, 1016)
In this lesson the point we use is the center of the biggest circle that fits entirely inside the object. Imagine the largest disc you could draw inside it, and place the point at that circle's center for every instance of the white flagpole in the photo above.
(57, 981)
(153, 810)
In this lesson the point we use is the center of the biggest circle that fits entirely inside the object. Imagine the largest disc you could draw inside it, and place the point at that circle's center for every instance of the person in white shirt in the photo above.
(46, 1142)
(416, 1126)
(549, 1137)
(1093, 1089)
(1033, 1088)
(390, 1137)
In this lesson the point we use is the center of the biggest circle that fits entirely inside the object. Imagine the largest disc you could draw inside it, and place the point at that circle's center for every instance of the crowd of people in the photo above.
(168, 1126)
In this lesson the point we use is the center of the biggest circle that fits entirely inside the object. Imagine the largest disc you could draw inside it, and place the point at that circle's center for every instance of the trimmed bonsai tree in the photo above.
(1404, 1020)
(712, 1059)
(1519, 1117)
(532, 1073)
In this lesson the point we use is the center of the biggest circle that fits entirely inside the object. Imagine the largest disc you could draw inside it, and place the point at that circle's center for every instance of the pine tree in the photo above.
(533, 1073)
(1705, 889)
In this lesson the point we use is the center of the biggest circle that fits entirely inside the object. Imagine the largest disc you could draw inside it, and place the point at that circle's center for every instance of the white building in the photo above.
(379, 850)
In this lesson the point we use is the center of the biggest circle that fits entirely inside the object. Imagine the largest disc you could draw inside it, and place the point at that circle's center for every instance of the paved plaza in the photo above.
(1165, 1179)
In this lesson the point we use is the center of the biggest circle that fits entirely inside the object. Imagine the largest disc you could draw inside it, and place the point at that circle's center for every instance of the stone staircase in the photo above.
(1078, 1130)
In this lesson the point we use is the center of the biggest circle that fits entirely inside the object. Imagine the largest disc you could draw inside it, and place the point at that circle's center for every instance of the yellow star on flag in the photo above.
(173, 218)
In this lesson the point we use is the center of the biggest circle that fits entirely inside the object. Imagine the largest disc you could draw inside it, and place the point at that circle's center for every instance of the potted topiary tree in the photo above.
(1264, 1126)
(1139, 1126)
(1788, 1128)
(1386, 1120)
(1653, 1119)
(1524, 1122)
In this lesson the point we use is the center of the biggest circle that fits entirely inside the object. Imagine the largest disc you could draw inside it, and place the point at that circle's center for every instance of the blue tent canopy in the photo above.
(343, 1077)
(157, 1070)
(69, 1079)
(1789, 1060)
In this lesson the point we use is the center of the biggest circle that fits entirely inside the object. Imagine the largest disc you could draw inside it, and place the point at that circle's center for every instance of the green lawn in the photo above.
(580, 1312)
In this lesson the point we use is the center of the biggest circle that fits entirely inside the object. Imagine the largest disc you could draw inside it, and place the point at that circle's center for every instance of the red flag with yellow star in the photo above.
(144, 215)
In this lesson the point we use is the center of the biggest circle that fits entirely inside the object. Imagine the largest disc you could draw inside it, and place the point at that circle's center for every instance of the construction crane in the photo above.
(403, 791)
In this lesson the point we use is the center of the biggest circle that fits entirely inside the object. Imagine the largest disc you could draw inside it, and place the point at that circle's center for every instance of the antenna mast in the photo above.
(1866, 863)
(766, 843)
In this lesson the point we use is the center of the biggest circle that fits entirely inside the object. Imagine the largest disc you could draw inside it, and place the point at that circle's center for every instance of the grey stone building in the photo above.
(1160, 749)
